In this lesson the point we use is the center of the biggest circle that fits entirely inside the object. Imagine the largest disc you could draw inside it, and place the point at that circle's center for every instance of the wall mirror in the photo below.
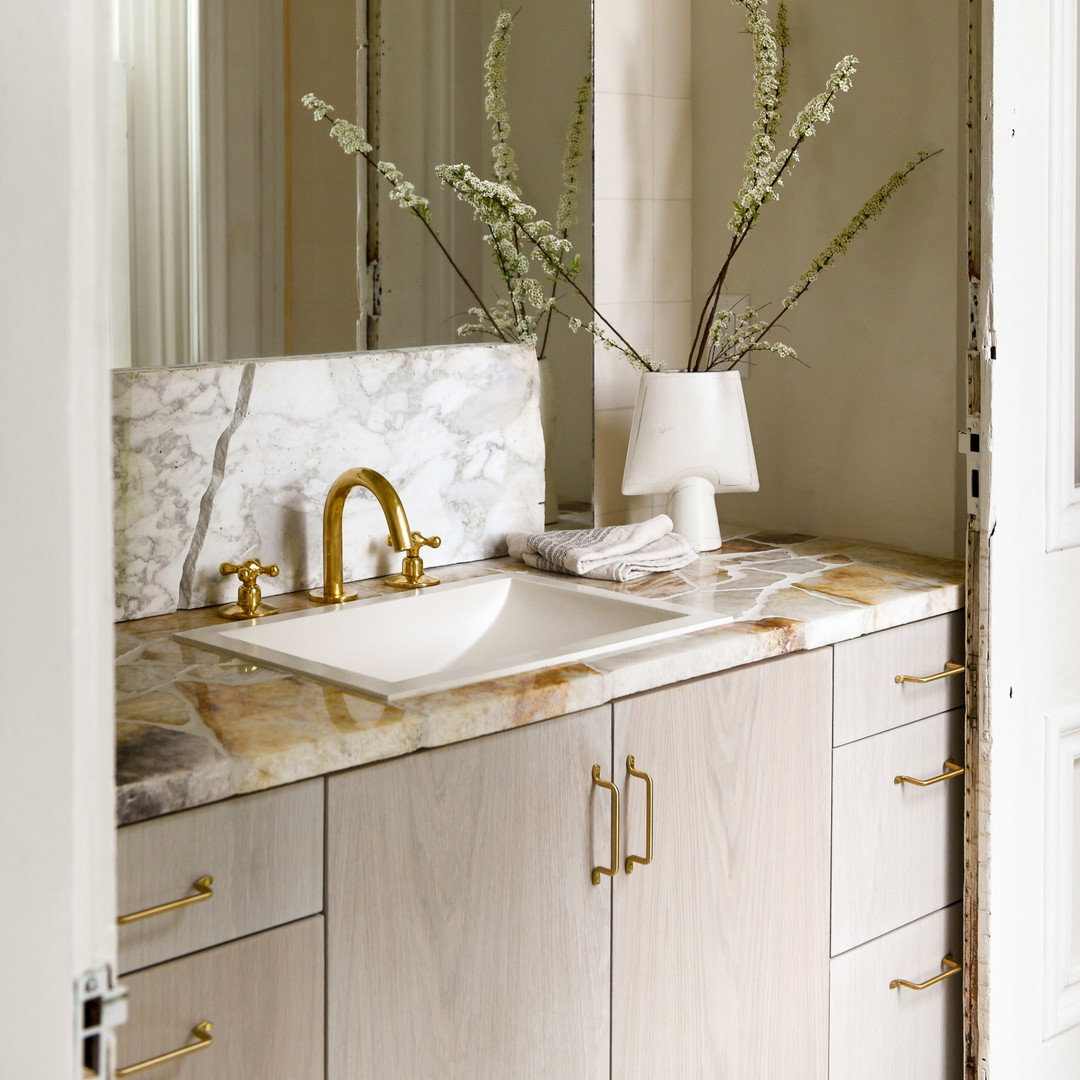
(241, 230)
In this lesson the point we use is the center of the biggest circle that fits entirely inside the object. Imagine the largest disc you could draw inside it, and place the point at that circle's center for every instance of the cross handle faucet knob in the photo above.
(412, 574)
(249, 603)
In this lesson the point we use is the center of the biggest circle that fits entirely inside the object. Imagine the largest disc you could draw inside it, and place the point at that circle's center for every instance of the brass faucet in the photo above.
(401, 537)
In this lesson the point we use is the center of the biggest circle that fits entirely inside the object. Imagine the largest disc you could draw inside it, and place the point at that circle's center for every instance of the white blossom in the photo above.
(498, 50)
(352, 139)
(573, 156)
(317, 106)
(840, 243)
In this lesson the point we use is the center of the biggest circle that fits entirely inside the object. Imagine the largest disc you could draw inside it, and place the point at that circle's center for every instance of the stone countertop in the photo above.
(194, 727)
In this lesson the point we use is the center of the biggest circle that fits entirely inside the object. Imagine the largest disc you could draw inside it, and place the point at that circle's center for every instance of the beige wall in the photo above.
(642, 237)
(861, 441)
(321, 295)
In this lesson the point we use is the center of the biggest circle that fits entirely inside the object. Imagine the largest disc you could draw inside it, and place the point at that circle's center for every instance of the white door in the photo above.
(57, 910)
(1028, 772)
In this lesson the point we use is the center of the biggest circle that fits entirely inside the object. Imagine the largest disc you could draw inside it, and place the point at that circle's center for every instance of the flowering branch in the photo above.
(765, 166)
(353, 140)
(573, 156)
(502, 154)
(730, 341)
(511, 225)
(500, 208)
(724, 337)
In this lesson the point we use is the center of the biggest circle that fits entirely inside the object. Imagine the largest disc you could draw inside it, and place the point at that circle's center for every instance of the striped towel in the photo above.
(614, 553)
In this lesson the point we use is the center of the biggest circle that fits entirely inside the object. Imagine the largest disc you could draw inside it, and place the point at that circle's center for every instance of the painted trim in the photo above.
(1062, 491)
(1061, 961)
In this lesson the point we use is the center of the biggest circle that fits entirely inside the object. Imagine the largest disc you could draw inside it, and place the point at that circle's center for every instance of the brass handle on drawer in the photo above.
(950, 669)
(951, 770)
(203, 891)
(947, 962)
(631, 859)
(200, 1031)
(613, 869)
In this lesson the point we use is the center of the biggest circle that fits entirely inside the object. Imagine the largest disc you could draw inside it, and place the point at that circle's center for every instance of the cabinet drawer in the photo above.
(263, 995)
(868, 697)
(898, 1033)
(264, 853)
(897, 848)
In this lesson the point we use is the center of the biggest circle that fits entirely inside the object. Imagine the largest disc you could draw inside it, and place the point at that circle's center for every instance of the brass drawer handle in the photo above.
(950, 669)
(613, 869)
(951, 770)
(947, 962)
(631, 859)
(200, 1031)
(203, 891)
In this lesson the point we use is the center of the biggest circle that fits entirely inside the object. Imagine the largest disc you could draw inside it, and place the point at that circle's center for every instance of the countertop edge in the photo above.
(195, 728)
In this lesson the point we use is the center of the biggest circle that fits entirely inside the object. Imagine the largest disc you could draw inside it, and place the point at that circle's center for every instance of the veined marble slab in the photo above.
(220, 463)
(194, 726)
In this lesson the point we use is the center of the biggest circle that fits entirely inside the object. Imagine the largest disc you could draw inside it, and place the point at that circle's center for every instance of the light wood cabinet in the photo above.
(261, 989)
(896, 858)
(720, 949)
(263, 995)
(467, 940)
(790, 881)
(868, 697)
(263, 852)
(895, 1032)
(897, 848)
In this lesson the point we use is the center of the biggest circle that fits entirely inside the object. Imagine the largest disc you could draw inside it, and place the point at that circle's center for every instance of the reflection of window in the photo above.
(233, 251)
(159, 164)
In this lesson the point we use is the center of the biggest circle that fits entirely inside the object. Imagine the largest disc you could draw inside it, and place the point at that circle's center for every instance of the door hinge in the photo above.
(100, 1006)
(970, 446)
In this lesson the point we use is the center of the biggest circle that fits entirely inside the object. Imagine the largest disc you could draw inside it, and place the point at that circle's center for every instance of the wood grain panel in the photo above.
(897, 848)
(720, 957)
(264, 852)
(468, 942)
(868, 698)
(898, 1034)
(264, 996)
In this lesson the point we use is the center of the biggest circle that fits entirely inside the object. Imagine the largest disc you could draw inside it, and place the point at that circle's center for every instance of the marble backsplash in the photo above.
(219, 463)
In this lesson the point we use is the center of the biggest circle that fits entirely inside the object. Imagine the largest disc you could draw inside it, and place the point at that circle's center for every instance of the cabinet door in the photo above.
(868, 697)
(263, 995)
(467, 939)
(263, 853)
(721, 944)
(897, 848)
(896, 1032)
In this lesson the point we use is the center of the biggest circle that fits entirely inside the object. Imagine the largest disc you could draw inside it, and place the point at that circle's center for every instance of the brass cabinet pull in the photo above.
(613, 869)
(201, 1032)
(631, 859)
(951, 770)
(203, 891)
(950, 669)
(947, 962)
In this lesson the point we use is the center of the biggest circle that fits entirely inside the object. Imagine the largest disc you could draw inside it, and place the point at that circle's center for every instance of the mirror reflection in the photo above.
(249, 233)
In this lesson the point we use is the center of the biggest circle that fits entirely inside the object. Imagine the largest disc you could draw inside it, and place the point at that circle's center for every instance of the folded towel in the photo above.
(614, 553)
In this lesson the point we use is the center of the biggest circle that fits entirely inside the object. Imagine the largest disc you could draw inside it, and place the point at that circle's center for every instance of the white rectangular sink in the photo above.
(425, 640)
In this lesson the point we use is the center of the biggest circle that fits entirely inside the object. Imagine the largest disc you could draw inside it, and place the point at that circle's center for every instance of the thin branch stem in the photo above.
(697, 357)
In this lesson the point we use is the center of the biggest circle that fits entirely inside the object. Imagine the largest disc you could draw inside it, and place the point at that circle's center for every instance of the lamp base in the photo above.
(691, 506)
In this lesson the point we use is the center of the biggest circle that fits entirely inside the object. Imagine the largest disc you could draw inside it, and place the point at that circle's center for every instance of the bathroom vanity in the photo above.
(439, 886)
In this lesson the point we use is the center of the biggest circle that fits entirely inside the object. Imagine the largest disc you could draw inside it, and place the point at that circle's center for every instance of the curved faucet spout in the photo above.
(333, 590)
